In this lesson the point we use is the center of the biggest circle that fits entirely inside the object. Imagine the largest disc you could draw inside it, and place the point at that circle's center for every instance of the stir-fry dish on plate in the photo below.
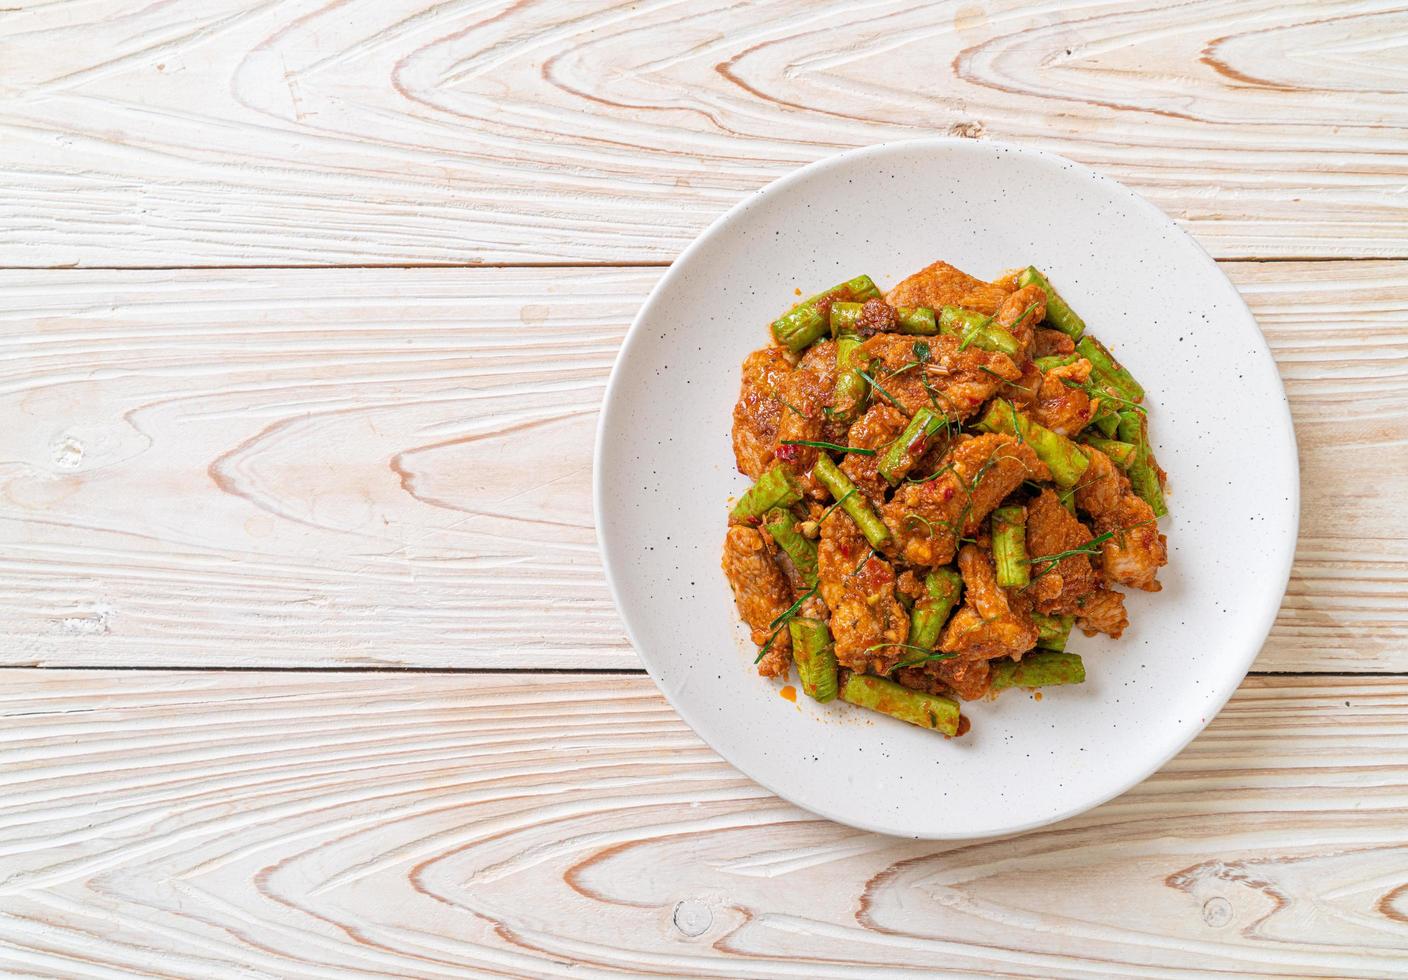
(948, 480)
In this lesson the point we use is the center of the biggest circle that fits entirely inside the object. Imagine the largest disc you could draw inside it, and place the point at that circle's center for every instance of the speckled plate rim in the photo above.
(1270, 594)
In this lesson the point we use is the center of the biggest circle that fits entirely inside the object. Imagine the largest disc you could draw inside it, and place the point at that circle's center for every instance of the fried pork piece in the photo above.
(756, 416)
(876, 429)
(1135, 550)
(1049, 343)
(910, 584)
(969, 679)
(975, 475)
(1023, 391)
(1007, 282)
(953, 381)
(760, 591)
(1102, 611)
(807, 392)
(859, 588)
(814, 608)
(1051, 529)
(877, 316)
(1021, 311)
(1062, 408)
(929, 464)
(940, 285)
(994, 622)
(820, 362)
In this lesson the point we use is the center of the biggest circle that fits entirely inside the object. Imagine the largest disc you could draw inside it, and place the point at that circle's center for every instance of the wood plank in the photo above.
(1340, 336)
(300, 131)
(392, 467)
(360, 468)
(273, 825)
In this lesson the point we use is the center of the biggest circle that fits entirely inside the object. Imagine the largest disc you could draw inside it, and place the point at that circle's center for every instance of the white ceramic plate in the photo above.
(1220, 424)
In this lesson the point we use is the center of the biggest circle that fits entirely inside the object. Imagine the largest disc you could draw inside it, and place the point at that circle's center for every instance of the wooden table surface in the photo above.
(302, 677)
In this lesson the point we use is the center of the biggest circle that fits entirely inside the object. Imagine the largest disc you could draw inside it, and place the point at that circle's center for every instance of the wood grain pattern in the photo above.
(223, 825)
(327, 468)
(1340, 336)
(309, 131)
(390, 467)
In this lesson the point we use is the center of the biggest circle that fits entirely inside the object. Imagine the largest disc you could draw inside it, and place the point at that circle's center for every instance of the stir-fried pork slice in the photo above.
(1048, 343)
(877, 316)
(876, 429)
(820, 362)
(969, 679)
(933, 459)
(1135, 550)
(993, 622)
(1008, 280)
(775, 662)
(965, 379)
(756, 416)
(952, 381)
(813, 607)
(1021, 312)
(807, 394)
(927, 518)
(1057, 588)
(1023, 391)
(859, 588)
(911, 585)
(760, 591)
(940, 285)
(1102, 611)
(1062, 408)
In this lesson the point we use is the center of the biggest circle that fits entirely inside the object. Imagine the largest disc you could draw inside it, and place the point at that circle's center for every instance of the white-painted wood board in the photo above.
(369, 468)
(347, 825)
(232, 132)
(383, 466)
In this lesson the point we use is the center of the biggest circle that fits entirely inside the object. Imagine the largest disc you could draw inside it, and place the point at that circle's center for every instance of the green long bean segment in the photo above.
(1106, 423)
(1122, 454)
(1143, 472)
(978, 331)
(1040, 669)
(901, 455)
(1052, 631)
(775, 488)
(1009, 547)
(853, 503)
(851, 386)
(917, 321)
(1099, 386)
(805, 323)
(942, 587)
(889, 698)
(1058, 312)
(799, 548)
(1062, 456)
(1109, 372)
(815, 657)
(1053, 361)
(845, 317)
